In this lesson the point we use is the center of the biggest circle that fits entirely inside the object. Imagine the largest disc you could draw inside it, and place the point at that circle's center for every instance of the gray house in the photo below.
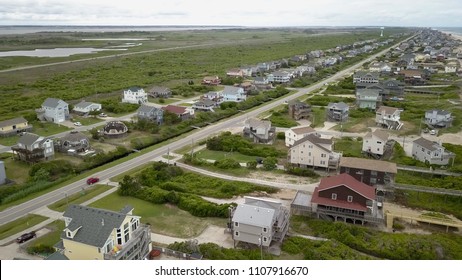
(53, 110)
(368, 98)
(84, 107)
(150, 113)
(73, 142)
(259, 131)
(432, 152)
(259, 221)
(32, 148)
(162, 92)
(337, 112)
(438, 118)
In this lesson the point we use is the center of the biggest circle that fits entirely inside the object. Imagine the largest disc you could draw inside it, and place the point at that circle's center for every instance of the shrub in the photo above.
(227, 163)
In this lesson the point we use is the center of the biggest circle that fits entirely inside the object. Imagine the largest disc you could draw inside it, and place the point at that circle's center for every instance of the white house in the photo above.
(388, 117)
(279, 77)
(438, 118)
(427, 151)
(380, 67)
(135, 95)
(84, 107)
(53, 110)
(375, 142)
(234, 94)
(296, 133)
(313, 150)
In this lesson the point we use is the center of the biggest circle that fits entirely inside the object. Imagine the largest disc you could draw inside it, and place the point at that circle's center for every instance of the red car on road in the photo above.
(92, 180)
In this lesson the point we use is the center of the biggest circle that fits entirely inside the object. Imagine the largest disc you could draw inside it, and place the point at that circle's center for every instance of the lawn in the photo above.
(219, 155)
(9, 141)
(51, 238)
(164, 219)
(318, 116)
(78, 198)
(162, 101)
(131, 172)
(16, 170)
(47, 128)
(20, 224)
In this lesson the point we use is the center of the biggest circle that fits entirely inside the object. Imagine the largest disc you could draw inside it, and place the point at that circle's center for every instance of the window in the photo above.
(135, 224)
(265, 229)
(310, 146)
(236, 224)
(350, 198)
(126, 233)
(323, 162)
(334, 196)
(323, 155)
(119, 236)
(265, 239)
(68, 234)
(378, 142)
(309, 154)
(373, 173)
(236, 233)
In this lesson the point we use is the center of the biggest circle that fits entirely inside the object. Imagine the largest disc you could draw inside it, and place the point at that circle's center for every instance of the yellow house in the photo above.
(14, 126)
(97, 234)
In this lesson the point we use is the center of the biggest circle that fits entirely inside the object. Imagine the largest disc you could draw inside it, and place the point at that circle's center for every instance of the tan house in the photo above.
(97, 234)
(14, 126)
(314, 151)
(296, 133)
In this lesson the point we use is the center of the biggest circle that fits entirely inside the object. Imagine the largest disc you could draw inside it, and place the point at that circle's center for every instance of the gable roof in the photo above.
(368, 164)
(52, 102)
(175, 109)
(315, 140)
(348, 181)
(387, 110)
(230, 90)
(205, 102)
(381, 134)
(147, 109)
(12, 122)
(439, 112)
(427, 144)
(134, 89)
(254, 123)
(96, 225)
(339, 105)
(84, 104)
(28, 138)
(303, 130)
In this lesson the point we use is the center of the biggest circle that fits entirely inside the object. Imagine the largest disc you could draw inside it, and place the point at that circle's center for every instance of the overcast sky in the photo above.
(423, 13)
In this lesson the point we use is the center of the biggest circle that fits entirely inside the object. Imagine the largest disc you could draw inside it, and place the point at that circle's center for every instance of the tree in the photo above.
(129, 186)
(95, 133)
(94, 113)
(41, 175)
(270, 163)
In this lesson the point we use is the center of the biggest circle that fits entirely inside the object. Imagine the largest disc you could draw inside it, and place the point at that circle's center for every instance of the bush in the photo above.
(281, 136)
(302, 172)
(41, 249)
(227, 163)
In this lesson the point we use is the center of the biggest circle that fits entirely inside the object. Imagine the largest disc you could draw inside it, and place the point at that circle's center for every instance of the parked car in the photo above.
(432, 132)
(102, 115)
(92, 180)
(26, 236)
(77, 124)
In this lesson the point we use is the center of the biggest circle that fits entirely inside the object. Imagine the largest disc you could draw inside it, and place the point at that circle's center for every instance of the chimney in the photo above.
(102, 222)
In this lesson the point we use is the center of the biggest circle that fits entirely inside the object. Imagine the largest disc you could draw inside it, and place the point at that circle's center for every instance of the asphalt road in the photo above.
(18, 211)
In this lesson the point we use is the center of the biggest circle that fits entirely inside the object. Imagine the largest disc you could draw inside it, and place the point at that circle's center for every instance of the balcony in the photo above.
(137, 247)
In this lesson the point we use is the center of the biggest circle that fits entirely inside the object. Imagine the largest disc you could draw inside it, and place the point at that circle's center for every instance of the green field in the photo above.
(80, 197)
(20, 224)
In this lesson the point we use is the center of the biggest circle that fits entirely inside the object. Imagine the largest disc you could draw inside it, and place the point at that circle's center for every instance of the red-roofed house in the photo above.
(344, 198)
(182, 112)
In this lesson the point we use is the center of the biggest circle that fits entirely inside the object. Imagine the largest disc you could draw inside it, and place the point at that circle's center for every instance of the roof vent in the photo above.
(102, 222)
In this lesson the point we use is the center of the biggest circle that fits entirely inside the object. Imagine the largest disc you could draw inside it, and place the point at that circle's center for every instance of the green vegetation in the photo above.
(78, 198)
(321, 250)
(220, 155)
(211, 251)
(318, 116)
(377, 244)
(164, 219)
(432, 202)
(43, 243)
(162, 183)
(111, 75)
(349, 146)
(20, 224)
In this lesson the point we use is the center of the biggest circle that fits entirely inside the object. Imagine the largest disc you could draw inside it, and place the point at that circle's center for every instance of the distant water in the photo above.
(454, 30)
(12, 29)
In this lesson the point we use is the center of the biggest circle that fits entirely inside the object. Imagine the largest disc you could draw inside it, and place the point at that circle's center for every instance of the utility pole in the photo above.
(168, 155)
(192, 147)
